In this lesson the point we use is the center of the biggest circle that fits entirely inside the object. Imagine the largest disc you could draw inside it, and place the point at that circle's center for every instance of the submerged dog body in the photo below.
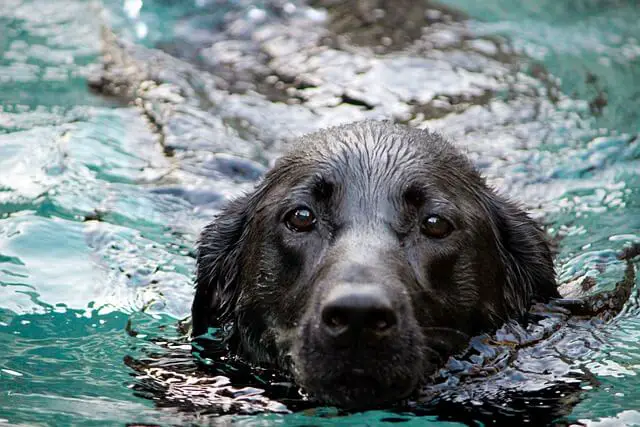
(366, 256)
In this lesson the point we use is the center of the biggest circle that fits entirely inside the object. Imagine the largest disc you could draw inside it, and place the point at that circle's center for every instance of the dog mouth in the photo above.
(361, 372)
(357, 389)
(355, 381)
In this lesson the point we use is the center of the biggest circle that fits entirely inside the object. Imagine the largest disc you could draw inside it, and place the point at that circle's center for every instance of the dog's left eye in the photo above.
(436, 227)
(300, 219)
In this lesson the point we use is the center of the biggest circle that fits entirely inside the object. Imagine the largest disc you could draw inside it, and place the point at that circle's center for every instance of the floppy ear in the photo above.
(526, 256)
(218, 266)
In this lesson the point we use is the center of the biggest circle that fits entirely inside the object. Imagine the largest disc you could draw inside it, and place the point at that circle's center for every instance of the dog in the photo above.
(365, 257)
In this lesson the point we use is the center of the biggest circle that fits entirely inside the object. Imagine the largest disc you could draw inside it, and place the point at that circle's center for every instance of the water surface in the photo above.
(101, 201)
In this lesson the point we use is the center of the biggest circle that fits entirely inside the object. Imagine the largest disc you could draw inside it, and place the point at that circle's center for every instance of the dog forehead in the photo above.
(362, 162)
(368, 141)
(377, 153)
(372, 161)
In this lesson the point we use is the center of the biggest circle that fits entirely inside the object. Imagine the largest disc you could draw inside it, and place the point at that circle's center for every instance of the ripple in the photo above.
(101, 201)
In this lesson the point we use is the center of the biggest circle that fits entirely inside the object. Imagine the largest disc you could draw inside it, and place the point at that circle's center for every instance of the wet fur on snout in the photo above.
(370, 185)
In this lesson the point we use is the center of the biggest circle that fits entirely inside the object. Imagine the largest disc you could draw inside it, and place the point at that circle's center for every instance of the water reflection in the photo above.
(101, 200)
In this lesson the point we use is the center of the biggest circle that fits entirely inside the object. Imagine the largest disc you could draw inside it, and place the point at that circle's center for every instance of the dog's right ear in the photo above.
(218, 266)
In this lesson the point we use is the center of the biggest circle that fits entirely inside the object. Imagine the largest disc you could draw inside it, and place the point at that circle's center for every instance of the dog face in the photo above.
(367, 255)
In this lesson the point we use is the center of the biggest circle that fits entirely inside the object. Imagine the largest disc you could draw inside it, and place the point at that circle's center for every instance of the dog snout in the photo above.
(357, 312)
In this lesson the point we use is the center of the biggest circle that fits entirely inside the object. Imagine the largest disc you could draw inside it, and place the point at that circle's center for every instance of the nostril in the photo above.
(352, 312)
(336, 319)
(380, 320)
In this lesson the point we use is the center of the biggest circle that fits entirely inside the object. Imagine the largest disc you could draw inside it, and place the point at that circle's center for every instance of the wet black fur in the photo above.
(370, 184)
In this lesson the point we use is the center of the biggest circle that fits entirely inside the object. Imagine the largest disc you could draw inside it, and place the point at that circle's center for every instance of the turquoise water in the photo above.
(99, 211)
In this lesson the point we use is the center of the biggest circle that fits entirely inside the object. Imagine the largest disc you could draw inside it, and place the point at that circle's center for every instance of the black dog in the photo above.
(366, 256)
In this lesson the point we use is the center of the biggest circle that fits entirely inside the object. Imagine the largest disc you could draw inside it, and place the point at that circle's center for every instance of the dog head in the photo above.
(365, 257)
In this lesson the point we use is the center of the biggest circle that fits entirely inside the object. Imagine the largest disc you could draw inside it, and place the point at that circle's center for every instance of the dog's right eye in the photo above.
(300, 219)
(436, 227)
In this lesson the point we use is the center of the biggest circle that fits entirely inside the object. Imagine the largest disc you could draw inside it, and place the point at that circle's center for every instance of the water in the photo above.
(101, 201)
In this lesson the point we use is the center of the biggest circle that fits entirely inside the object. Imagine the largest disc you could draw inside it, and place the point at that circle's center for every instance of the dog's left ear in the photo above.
(218, 264)
(526, 255)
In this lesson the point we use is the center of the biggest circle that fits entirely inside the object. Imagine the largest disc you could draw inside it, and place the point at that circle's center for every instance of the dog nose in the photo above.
(352, 311)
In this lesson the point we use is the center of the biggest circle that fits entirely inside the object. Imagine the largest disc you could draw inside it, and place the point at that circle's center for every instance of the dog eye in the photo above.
(436, 227)
(300, 219)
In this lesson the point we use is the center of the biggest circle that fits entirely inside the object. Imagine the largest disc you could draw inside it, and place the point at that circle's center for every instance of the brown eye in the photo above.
(300, 219)
(436, 227)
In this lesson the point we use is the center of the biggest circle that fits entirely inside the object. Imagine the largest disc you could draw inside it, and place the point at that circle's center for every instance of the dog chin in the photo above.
(356, 389)
(357, 379)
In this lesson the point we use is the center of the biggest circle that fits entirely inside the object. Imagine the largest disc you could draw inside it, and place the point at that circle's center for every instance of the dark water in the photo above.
(101, 200)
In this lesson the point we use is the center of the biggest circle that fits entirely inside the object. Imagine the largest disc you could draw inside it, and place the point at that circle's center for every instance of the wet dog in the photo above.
(367, 255)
